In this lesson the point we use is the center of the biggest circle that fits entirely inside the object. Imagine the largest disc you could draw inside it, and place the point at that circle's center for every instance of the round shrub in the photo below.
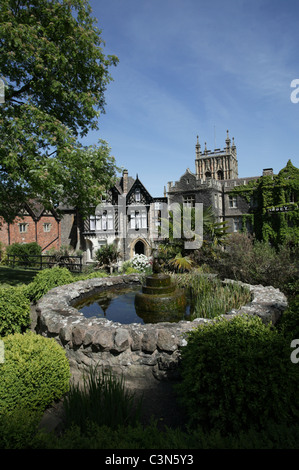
(14, 310)
(236, 374)
(35, 372)
(46, 280)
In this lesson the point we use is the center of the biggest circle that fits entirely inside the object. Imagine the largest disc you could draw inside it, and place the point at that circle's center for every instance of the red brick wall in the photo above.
(34, 233)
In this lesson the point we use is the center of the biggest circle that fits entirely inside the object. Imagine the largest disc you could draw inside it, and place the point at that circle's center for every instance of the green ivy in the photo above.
(275, 214)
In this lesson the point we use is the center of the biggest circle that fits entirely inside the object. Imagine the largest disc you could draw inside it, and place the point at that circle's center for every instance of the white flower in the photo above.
(140, 262)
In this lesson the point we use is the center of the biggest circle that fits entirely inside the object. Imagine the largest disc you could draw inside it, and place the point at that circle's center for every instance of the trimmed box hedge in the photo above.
(35, 372)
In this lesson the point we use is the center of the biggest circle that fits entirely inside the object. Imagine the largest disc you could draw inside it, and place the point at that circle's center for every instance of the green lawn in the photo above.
(16, 276)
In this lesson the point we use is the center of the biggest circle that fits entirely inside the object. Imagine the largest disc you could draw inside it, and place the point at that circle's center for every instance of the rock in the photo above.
(103, 339)
(149, 341)
(121, 340)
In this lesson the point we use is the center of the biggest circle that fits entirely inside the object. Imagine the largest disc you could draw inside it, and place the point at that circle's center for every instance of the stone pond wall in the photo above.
(146, 355)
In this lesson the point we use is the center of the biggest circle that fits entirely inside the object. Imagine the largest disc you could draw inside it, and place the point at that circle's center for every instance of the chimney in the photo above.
(268, 171)
(125, 181)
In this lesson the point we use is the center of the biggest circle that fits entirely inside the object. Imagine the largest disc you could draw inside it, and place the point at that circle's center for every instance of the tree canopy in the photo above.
(55, 74)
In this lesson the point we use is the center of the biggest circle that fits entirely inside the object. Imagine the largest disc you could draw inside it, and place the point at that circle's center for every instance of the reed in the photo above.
(101, 399)
(209, 297)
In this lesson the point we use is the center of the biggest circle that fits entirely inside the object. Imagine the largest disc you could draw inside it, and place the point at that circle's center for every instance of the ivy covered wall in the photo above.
(274, 205)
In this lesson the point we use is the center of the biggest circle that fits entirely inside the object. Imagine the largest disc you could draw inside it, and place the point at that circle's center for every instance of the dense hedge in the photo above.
(289, 322)
(237, 374)
(19, 430)
(34, 373)
(23, 251)
(14, 310)
(46, 280)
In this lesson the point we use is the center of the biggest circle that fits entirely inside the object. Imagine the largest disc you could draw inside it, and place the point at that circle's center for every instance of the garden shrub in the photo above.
(92, 275)
(257, 262)
(289, 321)
(46, 280)
(23, 251)
(35, 372)
(236, 374)
(138, 264)
(19, 428)
(141, 263)
(107, 254)
(150, 437)
(14, 310)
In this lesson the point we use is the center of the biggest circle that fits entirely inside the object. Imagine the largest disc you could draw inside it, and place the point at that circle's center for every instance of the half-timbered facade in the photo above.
(127, 216)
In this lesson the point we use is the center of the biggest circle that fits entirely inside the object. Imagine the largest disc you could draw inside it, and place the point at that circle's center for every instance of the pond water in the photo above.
(118, 305)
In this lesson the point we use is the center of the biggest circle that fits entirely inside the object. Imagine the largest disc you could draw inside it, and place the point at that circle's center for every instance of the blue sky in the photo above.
(199, 67)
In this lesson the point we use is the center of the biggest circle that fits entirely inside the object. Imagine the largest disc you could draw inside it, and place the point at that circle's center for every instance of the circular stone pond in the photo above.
(158, 300)
(145, 354)
(118, 304)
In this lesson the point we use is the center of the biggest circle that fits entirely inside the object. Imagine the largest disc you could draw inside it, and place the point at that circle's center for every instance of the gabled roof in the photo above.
(36, 209)
(119, 185)
(137, 183)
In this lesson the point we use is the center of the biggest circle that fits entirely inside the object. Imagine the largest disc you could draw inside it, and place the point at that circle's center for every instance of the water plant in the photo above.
(209, 297)
(102, 399)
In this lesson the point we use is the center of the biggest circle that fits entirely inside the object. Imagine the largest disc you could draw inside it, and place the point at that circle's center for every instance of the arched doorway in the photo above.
(89, 250)
(139, 248)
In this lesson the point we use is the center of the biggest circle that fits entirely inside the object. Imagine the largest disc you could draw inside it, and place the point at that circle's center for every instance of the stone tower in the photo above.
(218, 164)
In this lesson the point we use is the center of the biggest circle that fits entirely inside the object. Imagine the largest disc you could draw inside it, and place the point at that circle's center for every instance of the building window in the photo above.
(23, 228)
(137, 195)
(47, 227)
(92, 223)
(189, 201)
(293, 197)
(237, 225)
(110, 221)
(220, 174)
(102, 223)
(138, 219)
(232, 202)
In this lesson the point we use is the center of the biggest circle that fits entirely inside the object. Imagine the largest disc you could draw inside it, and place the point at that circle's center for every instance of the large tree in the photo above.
(55, 75)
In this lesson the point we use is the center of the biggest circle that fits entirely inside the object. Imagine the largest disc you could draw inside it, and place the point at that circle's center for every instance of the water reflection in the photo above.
(118, 305)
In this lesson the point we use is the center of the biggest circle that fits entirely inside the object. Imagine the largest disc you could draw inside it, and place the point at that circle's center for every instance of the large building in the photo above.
(130, 217)
(127, 217)
(216, 174)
